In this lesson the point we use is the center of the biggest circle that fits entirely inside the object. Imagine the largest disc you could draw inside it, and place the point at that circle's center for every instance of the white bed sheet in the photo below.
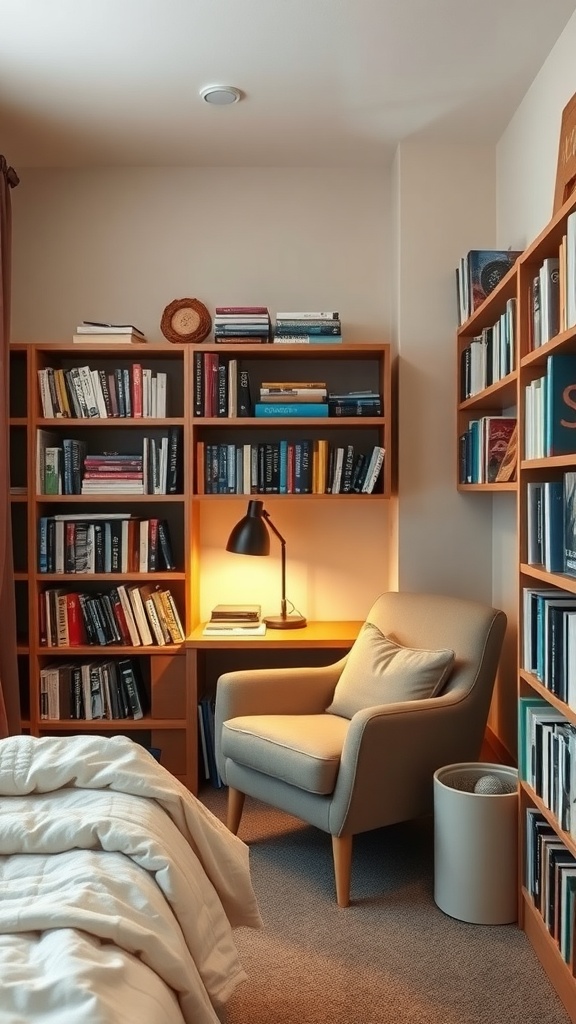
(107, 862)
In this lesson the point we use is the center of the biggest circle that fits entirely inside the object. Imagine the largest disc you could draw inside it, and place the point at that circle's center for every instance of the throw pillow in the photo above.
(381, 671)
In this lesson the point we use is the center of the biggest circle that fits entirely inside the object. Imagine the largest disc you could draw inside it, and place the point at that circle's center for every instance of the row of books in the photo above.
(553, 291)
(550, 879)
(103, 543)
(133, 616)
(63, 466)
(286, 467)
(84, 393)
(487, 450)
(551, 523)
(547, 758)
(477, 274)
(207, 745)
(92, 690)
(490, 356)
(549, 640)
(550, 409)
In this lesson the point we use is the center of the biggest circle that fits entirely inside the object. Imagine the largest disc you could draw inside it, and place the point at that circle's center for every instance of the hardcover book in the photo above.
(560, 404)
(486, 268)
(263, 409)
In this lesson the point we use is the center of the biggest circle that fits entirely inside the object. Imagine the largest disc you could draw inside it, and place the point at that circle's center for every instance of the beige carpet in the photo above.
(392, 958)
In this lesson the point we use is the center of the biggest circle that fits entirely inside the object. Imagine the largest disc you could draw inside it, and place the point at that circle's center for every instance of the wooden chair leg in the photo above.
(235, 807)
(342, 855)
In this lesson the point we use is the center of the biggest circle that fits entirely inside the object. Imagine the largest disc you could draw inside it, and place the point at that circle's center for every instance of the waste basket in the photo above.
(476, 842)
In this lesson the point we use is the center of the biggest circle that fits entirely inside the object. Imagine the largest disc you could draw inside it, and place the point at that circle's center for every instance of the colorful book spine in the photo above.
(265, 410)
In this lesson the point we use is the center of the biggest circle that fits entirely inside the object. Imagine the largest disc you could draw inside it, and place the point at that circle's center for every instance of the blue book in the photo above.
(277, 409)
(560, 404)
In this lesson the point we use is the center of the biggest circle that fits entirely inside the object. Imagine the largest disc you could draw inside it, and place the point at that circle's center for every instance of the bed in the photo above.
(119, 890)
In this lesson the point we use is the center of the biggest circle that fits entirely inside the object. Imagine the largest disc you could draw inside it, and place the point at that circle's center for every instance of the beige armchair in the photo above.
(354, 746)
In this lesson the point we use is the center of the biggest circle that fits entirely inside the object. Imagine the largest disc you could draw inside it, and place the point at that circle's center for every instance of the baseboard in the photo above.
(494, 749)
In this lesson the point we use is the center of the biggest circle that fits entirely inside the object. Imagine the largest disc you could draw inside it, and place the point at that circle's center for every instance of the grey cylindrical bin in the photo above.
(476, 844)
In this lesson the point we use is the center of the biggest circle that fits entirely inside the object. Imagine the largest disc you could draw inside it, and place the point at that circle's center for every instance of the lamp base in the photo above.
(287, 622)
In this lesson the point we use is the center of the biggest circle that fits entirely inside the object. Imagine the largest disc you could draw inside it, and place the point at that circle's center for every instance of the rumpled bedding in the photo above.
(119, 890)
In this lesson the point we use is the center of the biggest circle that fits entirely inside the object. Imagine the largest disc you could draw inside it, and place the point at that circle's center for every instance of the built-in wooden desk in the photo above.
(318, 643)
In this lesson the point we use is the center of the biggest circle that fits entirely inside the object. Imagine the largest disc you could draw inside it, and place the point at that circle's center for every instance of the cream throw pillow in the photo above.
(380, 671)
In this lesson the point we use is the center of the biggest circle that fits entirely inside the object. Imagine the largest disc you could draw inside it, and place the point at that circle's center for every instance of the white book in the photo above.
(146, 391)
(88, 391)
(571, 270)
(374, 467)
(211, 630)
(143, 546)
(129, 616)
(98, 394)
(45, 396)
(140, 615)
(161, 387)
(152, 614)
(337, 475)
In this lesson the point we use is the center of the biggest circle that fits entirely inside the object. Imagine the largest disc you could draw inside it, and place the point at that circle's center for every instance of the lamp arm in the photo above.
(266, 516)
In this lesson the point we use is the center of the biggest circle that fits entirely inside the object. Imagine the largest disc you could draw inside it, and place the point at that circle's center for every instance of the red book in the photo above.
(120, 617)
(137, 390)
(76, 636)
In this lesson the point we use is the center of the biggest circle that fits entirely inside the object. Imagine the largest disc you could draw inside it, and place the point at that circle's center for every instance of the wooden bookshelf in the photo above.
(173, 674)
(530, 364)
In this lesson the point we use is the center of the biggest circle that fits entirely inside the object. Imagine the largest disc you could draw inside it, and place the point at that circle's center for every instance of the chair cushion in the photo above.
(303, 750)
(379, 671)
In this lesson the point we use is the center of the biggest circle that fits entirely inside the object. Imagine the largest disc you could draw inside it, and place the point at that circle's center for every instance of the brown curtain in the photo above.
(9, 691)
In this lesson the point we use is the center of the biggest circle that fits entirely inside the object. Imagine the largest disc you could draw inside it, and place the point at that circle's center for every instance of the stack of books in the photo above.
(312, 328)
(110, 334)
(355, 403)
(292, 398)
(235, 619)
(242, 325)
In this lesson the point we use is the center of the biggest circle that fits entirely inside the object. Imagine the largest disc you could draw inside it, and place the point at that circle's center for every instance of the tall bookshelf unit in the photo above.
(531, 364)
(170, 673)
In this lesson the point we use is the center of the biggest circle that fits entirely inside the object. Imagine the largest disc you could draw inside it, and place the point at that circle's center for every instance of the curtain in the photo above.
(9, 690)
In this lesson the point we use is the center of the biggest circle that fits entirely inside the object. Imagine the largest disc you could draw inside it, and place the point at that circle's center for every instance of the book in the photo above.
(236, 611)
(569, 502)
(96, 327)
(486, 268)
(497, 431)
(283, 409)
(121, 338)
(214, 629)
(507, 469)
(560, 404)
(307, 339)
(318, 315)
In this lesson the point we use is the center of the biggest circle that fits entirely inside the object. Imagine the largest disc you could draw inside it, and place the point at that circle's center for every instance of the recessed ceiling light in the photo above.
(220, 95)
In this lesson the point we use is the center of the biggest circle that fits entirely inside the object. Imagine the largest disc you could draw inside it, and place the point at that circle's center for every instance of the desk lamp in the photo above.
(250, 537)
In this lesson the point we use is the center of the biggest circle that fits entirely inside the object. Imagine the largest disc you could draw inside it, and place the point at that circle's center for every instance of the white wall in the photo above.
(122, 244)
(527, 153)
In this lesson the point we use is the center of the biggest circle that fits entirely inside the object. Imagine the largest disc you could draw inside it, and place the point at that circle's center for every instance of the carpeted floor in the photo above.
(391, 958)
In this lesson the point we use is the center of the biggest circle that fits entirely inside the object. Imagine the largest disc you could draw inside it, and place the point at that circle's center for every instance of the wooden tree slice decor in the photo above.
(186, 320)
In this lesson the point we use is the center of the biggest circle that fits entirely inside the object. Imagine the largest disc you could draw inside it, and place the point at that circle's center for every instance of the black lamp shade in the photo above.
(250, 535)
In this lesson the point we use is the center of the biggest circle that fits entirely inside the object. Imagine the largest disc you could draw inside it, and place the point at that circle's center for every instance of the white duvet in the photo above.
(118, 889)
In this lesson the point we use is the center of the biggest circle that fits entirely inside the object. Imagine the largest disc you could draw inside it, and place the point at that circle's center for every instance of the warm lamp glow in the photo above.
(250, 537)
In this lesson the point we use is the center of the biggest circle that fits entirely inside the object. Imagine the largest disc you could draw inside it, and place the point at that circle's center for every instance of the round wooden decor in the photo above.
(186, 320)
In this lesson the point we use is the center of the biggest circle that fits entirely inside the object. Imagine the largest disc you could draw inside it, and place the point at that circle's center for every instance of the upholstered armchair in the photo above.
(354, 746)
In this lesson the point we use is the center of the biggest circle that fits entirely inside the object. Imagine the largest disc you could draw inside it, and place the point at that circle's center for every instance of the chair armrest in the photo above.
(397, 748)
(277, 691)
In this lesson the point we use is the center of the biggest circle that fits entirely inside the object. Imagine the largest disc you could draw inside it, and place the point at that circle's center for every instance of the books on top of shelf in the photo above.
(112, 334)
(242, 324)
(323, 314)
(477, 275)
